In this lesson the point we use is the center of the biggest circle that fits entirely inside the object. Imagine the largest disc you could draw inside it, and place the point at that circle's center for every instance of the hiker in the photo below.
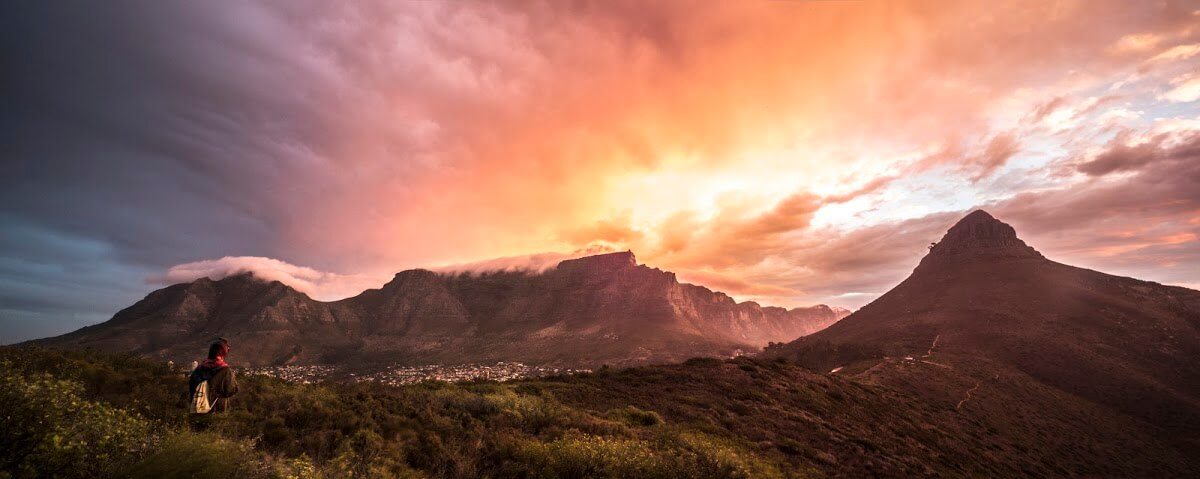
(212, 383)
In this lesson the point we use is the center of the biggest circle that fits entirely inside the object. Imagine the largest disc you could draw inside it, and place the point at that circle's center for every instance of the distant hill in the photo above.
(587, 311)
(985, 322)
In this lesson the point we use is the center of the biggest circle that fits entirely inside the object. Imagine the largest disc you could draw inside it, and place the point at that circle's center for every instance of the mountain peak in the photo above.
(240, 276)
(979, 235)
(979, 226)
(601, 262)
(978, 216)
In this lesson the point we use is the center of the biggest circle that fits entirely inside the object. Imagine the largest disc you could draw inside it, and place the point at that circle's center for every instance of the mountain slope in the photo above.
(983, 306)
(586, 311)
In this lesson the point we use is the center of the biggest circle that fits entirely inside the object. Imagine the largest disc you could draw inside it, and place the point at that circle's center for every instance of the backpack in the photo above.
(201, 401)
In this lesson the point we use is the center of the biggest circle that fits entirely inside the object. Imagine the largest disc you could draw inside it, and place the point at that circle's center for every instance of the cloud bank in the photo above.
(319, 285)
(531, 263)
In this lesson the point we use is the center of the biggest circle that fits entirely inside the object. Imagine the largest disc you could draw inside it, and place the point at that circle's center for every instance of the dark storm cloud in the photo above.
(134, 136)
(106, 136)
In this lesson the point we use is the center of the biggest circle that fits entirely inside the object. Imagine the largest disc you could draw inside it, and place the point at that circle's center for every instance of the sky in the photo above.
(787, 152)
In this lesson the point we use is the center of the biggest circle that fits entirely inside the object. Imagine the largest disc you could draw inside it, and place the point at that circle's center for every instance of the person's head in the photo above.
(218, 349)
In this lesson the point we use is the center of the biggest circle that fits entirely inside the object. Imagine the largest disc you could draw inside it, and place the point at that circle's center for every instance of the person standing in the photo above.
(212, 383)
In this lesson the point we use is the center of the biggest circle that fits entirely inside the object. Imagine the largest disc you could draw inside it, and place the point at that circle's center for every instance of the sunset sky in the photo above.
(786, 152)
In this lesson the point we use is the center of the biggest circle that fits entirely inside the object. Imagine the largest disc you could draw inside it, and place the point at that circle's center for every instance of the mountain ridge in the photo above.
(591, 310)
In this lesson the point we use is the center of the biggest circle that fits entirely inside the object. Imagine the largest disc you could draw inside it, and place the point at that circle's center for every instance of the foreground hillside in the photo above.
(602, 309)
(703, 418)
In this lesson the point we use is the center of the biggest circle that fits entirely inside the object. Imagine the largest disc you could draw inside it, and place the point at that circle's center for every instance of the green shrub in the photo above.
(591, 456)
(50, 430)
(366, 454)
(685, 456)
(191, 454)
(532, 413)
(714, 457)
(636, 417)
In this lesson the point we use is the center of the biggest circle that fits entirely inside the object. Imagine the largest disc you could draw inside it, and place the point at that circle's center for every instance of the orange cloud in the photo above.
(736, 285)
(784, 143)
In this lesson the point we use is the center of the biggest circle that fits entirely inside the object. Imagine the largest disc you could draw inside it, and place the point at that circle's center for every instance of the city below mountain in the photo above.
(603, 309)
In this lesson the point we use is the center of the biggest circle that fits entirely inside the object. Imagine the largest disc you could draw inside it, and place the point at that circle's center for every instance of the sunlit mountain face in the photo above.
(790, 153)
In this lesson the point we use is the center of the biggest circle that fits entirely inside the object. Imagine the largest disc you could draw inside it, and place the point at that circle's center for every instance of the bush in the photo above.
(366, 454)
(50, 430)
(532, 413)
(591, 456)
(683, 456)
(704, 362)
(190, 454)
(715, 457)
(636, 417)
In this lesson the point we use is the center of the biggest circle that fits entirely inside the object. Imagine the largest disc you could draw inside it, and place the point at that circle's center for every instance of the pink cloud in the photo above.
(317, 284)
(533, 263)
(1184, 89)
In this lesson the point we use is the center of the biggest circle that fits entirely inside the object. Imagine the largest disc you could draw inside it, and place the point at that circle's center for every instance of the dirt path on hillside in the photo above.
(970, 392)
(968, 395)
(932, 346)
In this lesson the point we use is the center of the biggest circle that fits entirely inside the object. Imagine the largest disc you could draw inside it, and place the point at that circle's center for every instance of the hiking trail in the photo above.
(968, 395)
(932, 346)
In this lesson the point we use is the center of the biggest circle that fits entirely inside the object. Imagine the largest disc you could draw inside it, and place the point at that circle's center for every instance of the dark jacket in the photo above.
(221, 384)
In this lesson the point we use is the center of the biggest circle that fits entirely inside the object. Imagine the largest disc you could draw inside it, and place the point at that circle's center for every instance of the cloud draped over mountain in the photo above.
(317, 284)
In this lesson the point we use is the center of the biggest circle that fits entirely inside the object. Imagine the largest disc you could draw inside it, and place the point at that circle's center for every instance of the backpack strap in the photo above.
(200, 375)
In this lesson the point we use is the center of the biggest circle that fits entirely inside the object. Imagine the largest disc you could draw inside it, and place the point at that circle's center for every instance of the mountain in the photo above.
(586, 311)
(986, 321)
(988, 361)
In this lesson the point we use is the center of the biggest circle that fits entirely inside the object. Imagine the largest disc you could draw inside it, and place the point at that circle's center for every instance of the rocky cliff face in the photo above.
(592, 310)
(979, 237)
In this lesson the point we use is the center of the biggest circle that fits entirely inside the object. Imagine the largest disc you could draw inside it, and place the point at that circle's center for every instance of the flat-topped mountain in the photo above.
(983, 306)
(587, 311)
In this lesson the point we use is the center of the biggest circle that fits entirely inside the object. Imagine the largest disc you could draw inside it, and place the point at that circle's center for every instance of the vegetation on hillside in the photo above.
(120, 416)
(88, 414)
